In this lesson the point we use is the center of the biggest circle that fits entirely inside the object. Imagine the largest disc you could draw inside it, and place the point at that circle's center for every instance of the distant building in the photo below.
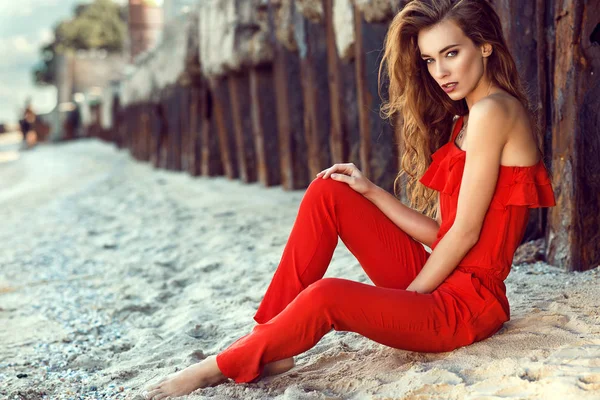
(145, 25)
(174, 8)
(80, 78)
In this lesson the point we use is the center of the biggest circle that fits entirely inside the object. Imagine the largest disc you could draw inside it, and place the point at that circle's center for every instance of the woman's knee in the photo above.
(327, 188)
(324, 293)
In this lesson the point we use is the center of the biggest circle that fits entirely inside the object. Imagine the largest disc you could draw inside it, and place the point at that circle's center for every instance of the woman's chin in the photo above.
(456, 96)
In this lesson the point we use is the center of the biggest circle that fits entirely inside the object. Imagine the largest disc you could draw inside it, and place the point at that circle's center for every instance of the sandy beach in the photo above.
(114, 274)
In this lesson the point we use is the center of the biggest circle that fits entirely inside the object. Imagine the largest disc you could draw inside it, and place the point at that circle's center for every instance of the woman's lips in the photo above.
(449, 87)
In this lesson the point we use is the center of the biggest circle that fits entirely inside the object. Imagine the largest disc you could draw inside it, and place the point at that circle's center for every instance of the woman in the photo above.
(444, 58)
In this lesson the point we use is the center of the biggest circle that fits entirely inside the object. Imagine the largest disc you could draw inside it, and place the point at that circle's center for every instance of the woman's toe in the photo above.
(153, 394)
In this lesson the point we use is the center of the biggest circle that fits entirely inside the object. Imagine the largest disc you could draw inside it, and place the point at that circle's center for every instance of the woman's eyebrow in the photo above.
(442, 50)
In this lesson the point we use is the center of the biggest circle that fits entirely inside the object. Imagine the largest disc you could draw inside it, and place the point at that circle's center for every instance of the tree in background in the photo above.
(100, 25)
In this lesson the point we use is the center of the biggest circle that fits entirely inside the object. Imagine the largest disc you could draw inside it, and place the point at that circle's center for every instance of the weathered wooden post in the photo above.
(287, 83)
(182, 101)
(239, 95)
(525, 34)
(171, 104)
(210, 159)
(226, 50)
(224, 127)
(191, 79)
(146, 130)
(193, 153)
(378, 149)
(116, 121)
(184, 122)
(134, 130)
(311, 37)
(574, 224)
(131, 133)
(264, 126)
(343, 138)
(129, 115)
(184, 117)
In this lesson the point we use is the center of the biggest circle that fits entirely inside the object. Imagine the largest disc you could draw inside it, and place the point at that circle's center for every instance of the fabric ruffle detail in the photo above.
(517, 186)
(442, 175)
(525, 186)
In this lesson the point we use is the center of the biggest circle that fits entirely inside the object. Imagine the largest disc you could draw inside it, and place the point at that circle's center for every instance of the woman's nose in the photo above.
(440, 70)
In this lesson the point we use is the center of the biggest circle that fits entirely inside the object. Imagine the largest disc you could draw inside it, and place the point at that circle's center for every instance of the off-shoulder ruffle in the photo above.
(442, 174)
(516, 186)
(524, 186)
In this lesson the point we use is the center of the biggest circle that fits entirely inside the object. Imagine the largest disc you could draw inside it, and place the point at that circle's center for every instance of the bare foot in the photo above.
(200, 375)
(203, 374)
(278, 367)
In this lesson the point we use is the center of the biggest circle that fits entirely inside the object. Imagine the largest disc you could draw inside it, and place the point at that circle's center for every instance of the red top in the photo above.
(517, 190)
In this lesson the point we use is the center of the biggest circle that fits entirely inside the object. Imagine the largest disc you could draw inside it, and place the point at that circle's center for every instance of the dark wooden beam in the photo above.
(264, 125)
(241, 115)
(210, 159)
(377, 154)
(193, 159)
(574, 231)
(312, 45)
(185, 118)
(521, 21)
(224, 127)
(290, 110)
(337, 133)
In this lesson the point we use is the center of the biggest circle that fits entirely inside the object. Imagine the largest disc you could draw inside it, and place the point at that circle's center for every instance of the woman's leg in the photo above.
(329, 209)
(393, 317)
(388, 255)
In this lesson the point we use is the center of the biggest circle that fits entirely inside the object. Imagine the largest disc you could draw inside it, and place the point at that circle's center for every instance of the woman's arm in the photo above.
(485, 139)
(420, 227)
(415, 224)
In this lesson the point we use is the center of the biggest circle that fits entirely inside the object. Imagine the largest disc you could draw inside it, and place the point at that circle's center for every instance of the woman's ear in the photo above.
(486, 50)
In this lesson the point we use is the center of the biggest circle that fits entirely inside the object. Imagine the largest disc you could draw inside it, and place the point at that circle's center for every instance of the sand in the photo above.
(114, 274)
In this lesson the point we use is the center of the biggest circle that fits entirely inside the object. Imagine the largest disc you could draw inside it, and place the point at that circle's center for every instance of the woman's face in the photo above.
(452, 59)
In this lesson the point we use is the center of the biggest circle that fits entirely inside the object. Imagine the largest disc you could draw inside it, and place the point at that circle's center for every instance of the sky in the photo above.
(24, 26)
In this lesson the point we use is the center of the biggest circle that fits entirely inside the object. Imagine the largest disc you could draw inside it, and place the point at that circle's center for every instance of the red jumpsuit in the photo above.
(300, 306)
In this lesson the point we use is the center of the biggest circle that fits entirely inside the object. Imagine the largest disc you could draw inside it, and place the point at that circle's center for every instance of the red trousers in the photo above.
(300, 306)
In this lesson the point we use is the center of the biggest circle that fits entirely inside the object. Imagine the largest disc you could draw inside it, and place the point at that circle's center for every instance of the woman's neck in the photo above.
(482, 90)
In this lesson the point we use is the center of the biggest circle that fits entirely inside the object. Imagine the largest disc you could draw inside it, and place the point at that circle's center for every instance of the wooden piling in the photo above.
(378, 157)
(312, 46)
(573, 234)
(524, 37)
(224, 127)
(210, 159)
(337, 133)
(174, 120)
(241, 115)
(290, 110)
(194, 118)
(263, 127)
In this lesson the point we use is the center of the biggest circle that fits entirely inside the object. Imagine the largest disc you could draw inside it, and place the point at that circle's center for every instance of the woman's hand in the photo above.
(348, 173)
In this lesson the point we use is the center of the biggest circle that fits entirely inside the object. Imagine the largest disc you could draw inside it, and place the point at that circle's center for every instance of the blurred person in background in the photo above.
(72, 122)
(27, 125)
(161, 134)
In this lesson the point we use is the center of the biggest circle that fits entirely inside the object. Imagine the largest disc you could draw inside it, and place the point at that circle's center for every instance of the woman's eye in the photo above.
(429, 61)
(452, 53)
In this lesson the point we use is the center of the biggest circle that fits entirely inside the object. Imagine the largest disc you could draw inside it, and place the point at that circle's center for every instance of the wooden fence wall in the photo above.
(280, 123)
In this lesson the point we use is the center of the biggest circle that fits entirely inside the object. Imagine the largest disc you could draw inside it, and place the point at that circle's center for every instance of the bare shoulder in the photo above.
(499, 109)
(487, 123)
(505, 116)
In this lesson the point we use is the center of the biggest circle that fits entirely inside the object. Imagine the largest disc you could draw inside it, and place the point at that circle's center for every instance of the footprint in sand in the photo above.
(589, 382)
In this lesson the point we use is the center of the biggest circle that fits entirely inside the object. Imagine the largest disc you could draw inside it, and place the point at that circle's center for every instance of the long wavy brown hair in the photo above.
(417, 100)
